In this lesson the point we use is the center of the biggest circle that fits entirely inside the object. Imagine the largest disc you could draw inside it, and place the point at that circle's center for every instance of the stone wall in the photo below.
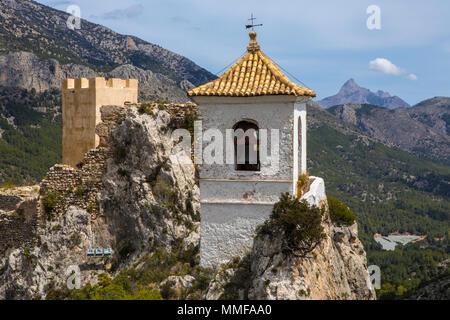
(80, 186)
(8, 202)
(18, 226)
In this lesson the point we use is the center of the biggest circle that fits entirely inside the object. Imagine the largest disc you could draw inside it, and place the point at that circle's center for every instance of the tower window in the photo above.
(246, 146)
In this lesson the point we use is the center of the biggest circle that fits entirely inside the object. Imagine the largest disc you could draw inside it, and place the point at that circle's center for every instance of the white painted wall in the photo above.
(234, 203)
(215, 190)
(270, 112)
(227, 231)
(299, 152)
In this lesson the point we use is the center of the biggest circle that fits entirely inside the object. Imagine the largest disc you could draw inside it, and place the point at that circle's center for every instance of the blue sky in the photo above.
(322, 43)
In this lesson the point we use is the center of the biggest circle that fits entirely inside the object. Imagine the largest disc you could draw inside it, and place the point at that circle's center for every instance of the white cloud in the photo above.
(385, 66)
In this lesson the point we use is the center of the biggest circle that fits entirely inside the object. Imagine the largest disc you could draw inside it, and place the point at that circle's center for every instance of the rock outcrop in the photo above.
(131, 194)
(27, 71)
(336, 269)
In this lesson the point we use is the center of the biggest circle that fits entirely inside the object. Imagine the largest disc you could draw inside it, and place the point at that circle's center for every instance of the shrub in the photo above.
(300, 224)
(162, 104)
(50, 201)
(56, 228)
(120, 154)
(79, 191)
(26, 253)
(145, 108)
(189, 119)
(75, 238)
(302, 184)
(8, 185)
(340, 213)
(140, 281)
(165, 192)
(18, 214)
(90, 208)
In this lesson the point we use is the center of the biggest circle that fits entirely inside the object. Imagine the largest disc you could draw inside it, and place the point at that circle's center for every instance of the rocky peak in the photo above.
(351, 92)
(349, 86)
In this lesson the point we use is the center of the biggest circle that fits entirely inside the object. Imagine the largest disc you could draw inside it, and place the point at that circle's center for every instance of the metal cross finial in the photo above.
(248, 26)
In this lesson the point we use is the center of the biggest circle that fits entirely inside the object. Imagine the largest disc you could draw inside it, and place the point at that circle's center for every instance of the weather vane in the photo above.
(248, 26)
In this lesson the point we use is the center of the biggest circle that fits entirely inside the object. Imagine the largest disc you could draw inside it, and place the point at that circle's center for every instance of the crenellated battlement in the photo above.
(98, 82)
(82, 100)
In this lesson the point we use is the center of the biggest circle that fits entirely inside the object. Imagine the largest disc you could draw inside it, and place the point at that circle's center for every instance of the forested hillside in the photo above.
(390, 191)
(30, 134)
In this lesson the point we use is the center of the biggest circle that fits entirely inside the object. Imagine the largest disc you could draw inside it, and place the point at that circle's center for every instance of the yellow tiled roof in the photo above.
(253, 75)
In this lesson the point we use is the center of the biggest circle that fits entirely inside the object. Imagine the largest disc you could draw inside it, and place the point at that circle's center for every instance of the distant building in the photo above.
(81, 102)
(235, 198)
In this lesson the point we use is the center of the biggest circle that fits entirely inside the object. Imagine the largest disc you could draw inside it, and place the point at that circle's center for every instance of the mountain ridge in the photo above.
(36, 37)
(423, 129)
(351, 92)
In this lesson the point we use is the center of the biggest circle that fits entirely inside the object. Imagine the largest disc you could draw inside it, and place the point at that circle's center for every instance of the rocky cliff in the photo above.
(138, 195)
(335, 270)
(131, 195)
(25, 70)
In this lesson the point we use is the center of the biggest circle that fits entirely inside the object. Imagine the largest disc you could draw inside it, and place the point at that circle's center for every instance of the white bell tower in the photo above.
(255, 98)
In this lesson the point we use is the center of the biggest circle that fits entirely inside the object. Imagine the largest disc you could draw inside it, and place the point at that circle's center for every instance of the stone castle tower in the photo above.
(81, 102)
(237, 197)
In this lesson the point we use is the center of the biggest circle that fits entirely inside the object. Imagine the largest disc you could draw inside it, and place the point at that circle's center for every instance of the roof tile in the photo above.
(253, 75)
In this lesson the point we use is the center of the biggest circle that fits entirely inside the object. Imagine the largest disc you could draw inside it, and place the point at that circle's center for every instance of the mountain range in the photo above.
(351, 92)
(423, 129)
(37, 50)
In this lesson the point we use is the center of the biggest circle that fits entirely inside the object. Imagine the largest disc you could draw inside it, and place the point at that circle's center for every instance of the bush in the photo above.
(303, 184)
(50, 201)
(145, 108)
(141, 280)
(120, 154)
(79, 191)
(300, 224)
(90, 208)
(75, 238)
(189, 120)
(340, 213)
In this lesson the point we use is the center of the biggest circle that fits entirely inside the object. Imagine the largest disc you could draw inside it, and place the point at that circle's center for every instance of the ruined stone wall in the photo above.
(18, 226)
(8, 202)
(65, 186)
